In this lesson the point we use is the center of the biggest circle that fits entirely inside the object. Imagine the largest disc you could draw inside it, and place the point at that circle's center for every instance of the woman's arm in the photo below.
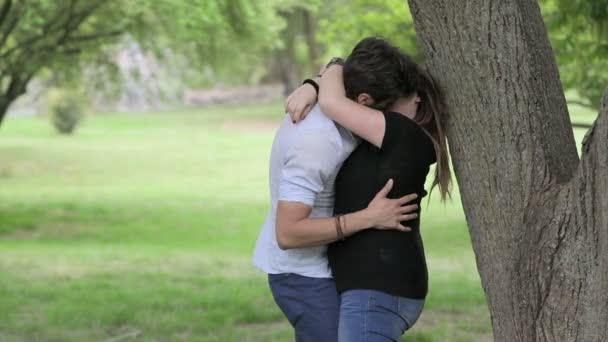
(294, 229)
(368, 123)
(301, 101)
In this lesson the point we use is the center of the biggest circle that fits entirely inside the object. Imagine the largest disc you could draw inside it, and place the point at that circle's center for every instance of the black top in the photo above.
(384, 260)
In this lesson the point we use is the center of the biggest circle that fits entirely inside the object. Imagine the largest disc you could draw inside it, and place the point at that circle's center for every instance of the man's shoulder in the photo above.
(316, 131)
(316, 119)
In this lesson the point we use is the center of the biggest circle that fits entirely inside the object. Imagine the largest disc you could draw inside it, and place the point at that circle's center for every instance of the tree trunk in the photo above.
(288, 68)
(16, 86)
(4, 104)
(538, 216)
(314, 49)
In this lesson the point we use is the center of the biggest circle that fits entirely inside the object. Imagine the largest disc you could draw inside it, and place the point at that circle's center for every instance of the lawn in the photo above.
(141, 227)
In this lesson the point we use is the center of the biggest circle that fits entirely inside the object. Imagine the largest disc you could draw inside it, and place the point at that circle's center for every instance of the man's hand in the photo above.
(386, 213)
(300, 102)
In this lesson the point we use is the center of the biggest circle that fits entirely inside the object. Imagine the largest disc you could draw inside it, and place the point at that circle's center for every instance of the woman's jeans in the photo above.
(370, 316)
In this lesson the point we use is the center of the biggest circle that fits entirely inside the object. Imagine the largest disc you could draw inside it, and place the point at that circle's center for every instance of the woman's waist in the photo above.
(385, 265)
(379, 247)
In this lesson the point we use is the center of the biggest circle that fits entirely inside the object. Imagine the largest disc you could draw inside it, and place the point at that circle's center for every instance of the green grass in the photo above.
(145, 224)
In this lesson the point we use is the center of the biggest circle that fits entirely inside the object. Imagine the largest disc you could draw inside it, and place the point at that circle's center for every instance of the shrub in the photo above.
(66, 108)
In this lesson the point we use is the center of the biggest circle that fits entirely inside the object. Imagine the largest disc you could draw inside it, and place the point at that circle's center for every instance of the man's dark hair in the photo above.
(378, 68)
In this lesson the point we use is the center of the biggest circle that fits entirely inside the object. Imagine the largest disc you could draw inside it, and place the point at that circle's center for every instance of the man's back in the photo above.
(304, 162)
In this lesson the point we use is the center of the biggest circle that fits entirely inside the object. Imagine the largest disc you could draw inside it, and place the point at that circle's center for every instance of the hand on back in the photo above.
(388, 213)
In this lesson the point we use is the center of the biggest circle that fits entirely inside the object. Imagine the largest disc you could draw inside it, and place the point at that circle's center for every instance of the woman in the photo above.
(382, 275)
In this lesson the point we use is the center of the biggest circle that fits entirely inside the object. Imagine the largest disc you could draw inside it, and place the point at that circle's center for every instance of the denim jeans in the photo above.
(371, 316)
(311, 305)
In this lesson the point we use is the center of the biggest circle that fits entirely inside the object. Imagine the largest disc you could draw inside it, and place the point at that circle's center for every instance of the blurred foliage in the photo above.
(203, 42)
(200, 39)
(578, 30)
(579, 34)
(346, 22)
(319, 30)
(205, 38)
(66, 108)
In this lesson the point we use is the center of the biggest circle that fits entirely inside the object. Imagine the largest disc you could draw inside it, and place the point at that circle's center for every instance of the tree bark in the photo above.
(4, 104)
(16, 87)
(538, 216)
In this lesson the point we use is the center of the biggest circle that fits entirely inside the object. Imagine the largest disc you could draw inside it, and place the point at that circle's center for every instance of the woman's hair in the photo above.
(386, 73)
(380, 69)
(430, 116)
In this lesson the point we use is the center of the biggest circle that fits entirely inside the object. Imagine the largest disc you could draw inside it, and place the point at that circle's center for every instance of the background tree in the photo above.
(344, 23)
(298, 52)
(318, 30)
(63, 36)
(538, 216)
(579, 36)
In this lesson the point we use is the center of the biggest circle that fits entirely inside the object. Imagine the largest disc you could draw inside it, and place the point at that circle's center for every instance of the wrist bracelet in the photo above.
(335, 60)
(312, 83)
(339, 228)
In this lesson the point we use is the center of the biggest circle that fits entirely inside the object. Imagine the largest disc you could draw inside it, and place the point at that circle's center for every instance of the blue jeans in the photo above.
(311, 305)
(373, 316)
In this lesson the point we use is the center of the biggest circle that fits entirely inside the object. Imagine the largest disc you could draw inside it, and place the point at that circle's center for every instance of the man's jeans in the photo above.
(370, 316)
(311, 305)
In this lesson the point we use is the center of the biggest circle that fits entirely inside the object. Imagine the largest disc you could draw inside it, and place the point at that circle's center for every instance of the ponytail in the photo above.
(430, 116)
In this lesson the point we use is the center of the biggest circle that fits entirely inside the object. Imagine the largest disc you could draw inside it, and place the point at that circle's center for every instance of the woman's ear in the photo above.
(365, 99)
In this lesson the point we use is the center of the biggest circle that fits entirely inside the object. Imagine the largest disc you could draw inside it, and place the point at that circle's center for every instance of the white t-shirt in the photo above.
(304, 162)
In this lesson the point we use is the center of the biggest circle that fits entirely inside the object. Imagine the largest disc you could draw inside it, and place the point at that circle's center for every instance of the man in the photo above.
(304, 162)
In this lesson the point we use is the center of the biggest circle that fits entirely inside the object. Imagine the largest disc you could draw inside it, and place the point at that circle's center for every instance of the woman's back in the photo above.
(389, 261)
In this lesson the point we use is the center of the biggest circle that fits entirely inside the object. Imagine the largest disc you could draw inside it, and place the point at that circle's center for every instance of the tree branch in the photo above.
(53, 25)
(591, 234)
(71, 23)
(16, 88)
(82, 16)
(581, 125)
(89, 37)
(18, 85)
(7, 29)
(598, 131)
(6, 7)
(581, 103)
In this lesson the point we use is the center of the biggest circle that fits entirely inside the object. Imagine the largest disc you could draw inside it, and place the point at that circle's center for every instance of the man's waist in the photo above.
(309, 261)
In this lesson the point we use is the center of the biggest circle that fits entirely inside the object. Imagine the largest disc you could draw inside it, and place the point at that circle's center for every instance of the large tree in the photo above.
(62, 36)
(537, 213)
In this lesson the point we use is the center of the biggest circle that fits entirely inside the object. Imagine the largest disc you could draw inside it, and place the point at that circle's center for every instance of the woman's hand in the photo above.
(386, 213)
(300, 102)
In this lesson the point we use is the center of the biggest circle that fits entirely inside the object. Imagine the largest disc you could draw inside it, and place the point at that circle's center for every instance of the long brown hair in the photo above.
(430, 116)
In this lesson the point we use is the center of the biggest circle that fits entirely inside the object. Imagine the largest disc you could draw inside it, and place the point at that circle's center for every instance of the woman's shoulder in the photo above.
(402, 128)
(404, 133)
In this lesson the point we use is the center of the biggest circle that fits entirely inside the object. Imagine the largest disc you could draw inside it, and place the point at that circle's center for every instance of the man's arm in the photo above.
(300, 102)
(304, 174)
(295, 229)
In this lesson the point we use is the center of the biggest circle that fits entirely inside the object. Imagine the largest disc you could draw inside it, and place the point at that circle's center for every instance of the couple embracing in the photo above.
(341, 243)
